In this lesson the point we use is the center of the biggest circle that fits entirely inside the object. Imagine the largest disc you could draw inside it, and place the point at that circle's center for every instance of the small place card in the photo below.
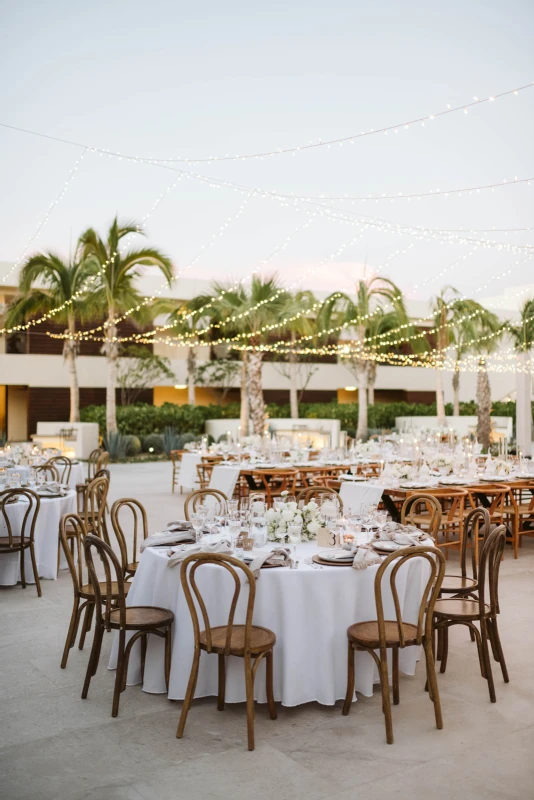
(325, 538)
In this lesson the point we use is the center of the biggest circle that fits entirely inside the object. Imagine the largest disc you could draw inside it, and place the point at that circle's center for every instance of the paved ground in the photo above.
(54, 746)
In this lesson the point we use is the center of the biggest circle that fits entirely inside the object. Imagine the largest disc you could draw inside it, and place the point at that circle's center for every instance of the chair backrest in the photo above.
(102, 462)
(50, 471)
(195, 499)
(413, 504)
(176, 456)
(140, 526)
(27, 528)
(477, 523)
(204, 473)
(490, 564)
(95, 507)
(313, 492)
(115, 599)
(452, 501)
(436, 561)
(492, 496)
(234, 567)
(276, 481)
(94, 455)
(103, 473)
(63, 466)
(77, 565)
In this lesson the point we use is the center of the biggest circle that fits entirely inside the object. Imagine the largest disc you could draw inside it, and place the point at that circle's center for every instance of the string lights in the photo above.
(46, 217)
(395, 129)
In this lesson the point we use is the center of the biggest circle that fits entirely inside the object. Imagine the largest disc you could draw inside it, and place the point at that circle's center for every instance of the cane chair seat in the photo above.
(521, 508)
(131, 568)
(14, 542)
(141, 617)
(87, 589)
(459, 607)
(454, 584)
(367, 634)
(261, 639)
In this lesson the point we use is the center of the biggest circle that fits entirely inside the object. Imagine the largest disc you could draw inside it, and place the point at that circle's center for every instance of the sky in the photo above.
(175, 80)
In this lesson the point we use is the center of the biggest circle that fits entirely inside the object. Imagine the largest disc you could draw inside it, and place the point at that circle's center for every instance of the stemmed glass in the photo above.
(294, 533)
(234, 527)
(197, 521)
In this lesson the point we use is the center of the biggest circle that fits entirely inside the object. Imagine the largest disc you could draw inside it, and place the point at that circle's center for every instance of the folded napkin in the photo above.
(280, 557)
(168, 537)
(217, 547)
(179, 525)
(365, 556)
(51, 487)
(405, 535)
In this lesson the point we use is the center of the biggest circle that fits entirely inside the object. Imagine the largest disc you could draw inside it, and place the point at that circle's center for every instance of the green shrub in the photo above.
(171, 440)
(133, 445)
(116, 444)
(153, 443)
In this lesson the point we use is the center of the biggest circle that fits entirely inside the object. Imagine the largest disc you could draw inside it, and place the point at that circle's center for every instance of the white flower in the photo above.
(287, 515)
(271, 514)
(292, 507)
(282, 525)
(284, 493)
(298, 520)
(312, 506)
(313, 526)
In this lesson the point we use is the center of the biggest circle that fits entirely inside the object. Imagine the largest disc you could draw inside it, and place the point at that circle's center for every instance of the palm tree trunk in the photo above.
(484, 405)
(440, 403)
(371, 394)
(371, 380)
(257, 406)
(243, 422)
(191, 369)
(362, 430)
(456, 390)
(70, 351)
(293, 388)
(111, 351)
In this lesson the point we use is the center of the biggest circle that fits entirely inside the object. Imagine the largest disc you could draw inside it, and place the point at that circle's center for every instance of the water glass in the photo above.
(232, 506)
(258, 531)
(197, 521)
(294, 533)
(14, 480)
(234, 526)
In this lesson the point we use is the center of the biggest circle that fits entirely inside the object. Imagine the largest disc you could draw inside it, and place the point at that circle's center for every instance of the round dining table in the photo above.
(308, 608)
(46, 538)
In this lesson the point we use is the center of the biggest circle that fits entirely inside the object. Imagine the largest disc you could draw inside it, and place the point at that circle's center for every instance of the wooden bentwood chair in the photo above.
(51, 472)
(176, 458)
(113, 614)
(63, 466)
(467, 611)
(394, 634)
(195, 499)
(430, 520)
(140, 530)
(249, 642)
(72, 531)
(315, 493)
(24, 541)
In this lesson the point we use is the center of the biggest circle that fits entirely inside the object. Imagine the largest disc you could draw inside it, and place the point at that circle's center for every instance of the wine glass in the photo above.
(234, 527)
(294, 534)
(232, 506)
(197, 521)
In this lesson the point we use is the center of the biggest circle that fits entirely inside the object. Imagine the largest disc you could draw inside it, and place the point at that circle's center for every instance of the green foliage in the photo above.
(133, 445)
(143, 419)
(171, 440)
(116, 444)
(153, 443)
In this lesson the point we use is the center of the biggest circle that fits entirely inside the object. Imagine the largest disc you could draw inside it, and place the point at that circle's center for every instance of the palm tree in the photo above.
(453, 320)
(523, 337)
(250, 313)
(297, 323)
(488, 331)
(116, 292)
(340, 309)
(189, 320)
(62, 283)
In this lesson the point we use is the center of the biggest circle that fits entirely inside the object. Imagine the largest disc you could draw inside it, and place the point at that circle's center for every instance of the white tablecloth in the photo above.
(357, 494)
(77, 473)
(308, 609)
(188, 470)
(224, 479)
(46, 539)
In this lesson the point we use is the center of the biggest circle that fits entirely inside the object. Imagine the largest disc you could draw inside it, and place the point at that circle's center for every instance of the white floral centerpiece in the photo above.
(442, 462)
(401, 471)
(502, 467)
(290, 514)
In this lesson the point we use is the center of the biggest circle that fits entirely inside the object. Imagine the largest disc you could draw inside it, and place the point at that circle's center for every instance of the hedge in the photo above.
(142, 419)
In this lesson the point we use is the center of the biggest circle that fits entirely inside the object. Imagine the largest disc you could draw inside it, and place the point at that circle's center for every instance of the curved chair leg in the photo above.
(144, 643)
(168, 651)
(189, 695)
(22, 567)
(93, 658)
(249, 685)
(35, 570)
(71, 635)
(349, 697)
(386, 702)
(395, 675)
(119, 674)
(86, 625)
(269, 685)
(222, 682)
(445, 650)
(496, 639)
(433, 683)
(487, 660)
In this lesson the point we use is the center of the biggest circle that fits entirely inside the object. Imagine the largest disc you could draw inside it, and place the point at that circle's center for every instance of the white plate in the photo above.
(415, 485)
(336, 555)
(496, 478)
(352, 478)
(385, 546)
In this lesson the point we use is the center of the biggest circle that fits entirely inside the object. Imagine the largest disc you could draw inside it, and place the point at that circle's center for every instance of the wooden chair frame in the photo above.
(433, 508)
(112, 614)
(204, 471)
(311, 492)
(197, 497)
(48, 469)
(63, 465)
(20, 543)
(516, 512)
(251, 655)
(176, 458)
(446, 613)
(94, 455)
(140, 527)
(452, 518)
(398, 640)
(281, 480)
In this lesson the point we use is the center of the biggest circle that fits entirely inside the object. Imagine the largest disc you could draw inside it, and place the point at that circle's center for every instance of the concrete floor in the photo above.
(54, 746)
